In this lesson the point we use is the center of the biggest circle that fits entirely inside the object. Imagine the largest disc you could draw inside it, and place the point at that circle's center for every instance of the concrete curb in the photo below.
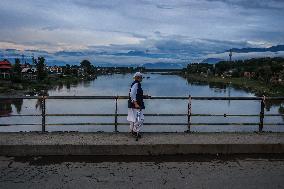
(35, 144)
(28, 150)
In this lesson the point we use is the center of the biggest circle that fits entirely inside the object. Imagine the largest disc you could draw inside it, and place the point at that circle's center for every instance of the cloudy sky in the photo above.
(138, 31)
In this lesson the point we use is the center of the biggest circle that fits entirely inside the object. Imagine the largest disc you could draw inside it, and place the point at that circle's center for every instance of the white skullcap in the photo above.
(137, 74)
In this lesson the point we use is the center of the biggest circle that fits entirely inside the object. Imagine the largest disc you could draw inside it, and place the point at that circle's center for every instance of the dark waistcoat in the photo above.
(139, 96)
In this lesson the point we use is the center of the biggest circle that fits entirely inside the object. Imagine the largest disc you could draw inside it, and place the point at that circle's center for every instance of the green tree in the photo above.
(264, 73)
(87, 66)
(17, 67)
(17, 70)
(67, 69)
(41, 72)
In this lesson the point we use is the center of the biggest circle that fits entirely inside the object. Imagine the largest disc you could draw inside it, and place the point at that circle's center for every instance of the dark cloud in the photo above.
(106, 4)
(255, 4)
(164, 6)
(50, 28)
(197, 48)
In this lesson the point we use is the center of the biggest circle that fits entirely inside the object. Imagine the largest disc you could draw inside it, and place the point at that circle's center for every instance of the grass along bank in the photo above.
(259, 88)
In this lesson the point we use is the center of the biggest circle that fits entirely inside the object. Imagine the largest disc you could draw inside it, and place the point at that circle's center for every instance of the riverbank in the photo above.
(258, 88)
(35, 87)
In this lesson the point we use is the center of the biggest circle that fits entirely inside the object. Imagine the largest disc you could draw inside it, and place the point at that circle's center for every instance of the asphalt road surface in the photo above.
(257, 171)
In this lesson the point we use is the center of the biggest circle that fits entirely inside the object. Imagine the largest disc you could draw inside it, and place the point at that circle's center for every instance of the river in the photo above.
(153, 84)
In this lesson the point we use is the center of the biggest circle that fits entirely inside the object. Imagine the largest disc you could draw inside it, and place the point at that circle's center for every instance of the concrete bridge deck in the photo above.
(72, 143)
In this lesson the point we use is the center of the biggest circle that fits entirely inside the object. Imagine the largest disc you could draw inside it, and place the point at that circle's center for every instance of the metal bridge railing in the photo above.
(189, 113)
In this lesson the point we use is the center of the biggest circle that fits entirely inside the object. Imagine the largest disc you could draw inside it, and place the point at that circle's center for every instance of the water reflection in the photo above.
(18, 103)
(68, 86)
(272, 103)
(281, 111)
(275, 103)
(39, 101)
(86, 83)
(60, 87)
(218, 86)
(230, 89)
(6, 106)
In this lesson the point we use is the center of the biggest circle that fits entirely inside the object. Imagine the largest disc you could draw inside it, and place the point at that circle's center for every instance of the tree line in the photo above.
(264, 69)
(86, 69)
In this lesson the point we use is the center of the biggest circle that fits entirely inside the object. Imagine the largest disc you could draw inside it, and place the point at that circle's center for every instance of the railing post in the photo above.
(43, 114)
(115, 115)
(188, 114)
(261, 115)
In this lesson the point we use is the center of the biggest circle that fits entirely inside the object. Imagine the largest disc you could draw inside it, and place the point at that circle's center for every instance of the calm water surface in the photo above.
(154, 85)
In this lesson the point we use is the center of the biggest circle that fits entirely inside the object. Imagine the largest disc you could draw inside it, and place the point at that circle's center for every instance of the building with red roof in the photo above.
(5, 69)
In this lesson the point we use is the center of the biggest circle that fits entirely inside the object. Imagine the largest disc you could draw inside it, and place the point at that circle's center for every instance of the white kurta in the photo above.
(132, 115)
(135, 125)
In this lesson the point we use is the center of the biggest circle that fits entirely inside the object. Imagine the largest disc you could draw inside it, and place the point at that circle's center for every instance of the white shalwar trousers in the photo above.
(135, 125)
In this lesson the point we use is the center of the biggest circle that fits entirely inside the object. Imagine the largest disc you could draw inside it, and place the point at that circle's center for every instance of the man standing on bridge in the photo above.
(136, 105)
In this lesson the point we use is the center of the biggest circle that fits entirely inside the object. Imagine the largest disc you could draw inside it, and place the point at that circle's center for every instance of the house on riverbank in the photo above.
(5, 69)
(54, 69)
(29, 74)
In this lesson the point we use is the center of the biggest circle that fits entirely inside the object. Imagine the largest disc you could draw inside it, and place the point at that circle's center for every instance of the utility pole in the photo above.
(230, 55)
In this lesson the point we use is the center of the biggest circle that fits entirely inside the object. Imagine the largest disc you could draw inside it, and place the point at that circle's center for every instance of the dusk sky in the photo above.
(130, 31)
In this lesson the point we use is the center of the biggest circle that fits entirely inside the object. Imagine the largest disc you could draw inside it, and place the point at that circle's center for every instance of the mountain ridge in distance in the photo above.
(247, 50)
